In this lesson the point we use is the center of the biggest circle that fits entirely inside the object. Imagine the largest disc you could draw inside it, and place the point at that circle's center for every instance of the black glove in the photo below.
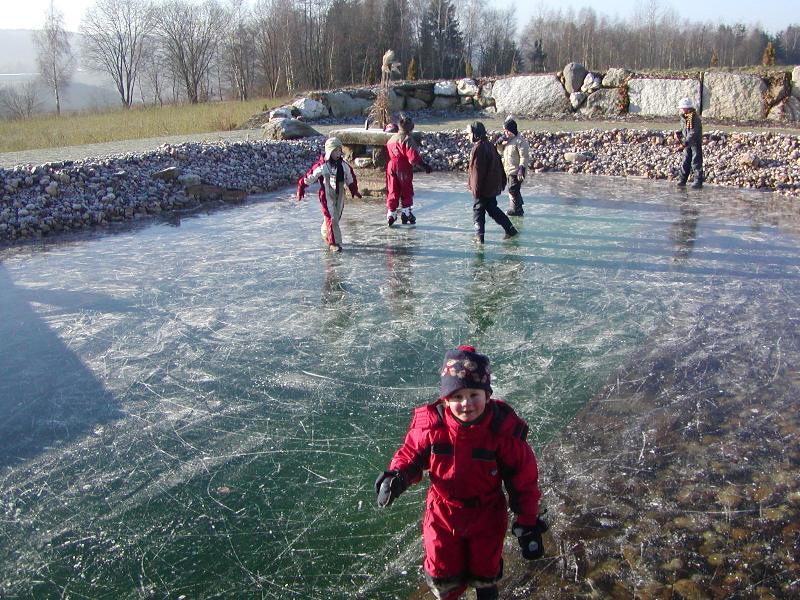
(388, 486)
(427, 167)
(530, 539)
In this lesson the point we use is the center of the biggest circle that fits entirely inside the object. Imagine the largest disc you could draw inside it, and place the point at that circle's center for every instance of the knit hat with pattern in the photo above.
(465, 367)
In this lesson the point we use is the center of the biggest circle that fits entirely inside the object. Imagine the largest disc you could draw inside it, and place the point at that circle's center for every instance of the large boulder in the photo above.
(415, 103)
(424, 92)
(444, 102)
(396, 101)
(796, 82)
(445, 88)
(576, 99)
(660, 97)
(282, 112)
(467, 87)
(574, 74)
(604, 102)
(530, 95)
(344, 105)
(786, 111)
(310, 109)
(738, 96)
(288, 129)
(358, 136)
(591, 83)
(615, 77)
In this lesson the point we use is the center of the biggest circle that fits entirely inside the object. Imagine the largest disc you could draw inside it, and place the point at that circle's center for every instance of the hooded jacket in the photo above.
(487, 178)
(515, 153)
(469, 464)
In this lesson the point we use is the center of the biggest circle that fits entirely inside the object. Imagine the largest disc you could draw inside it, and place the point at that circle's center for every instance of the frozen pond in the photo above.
(199, 408)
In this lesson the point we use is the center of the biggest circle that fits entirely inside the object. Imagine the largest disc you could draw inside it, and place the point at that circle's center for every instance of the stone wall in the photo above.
(719, 95)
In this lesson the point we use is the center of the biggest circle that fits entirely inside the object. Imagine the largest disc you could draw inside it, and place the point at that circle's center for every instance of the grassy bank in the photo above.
(49, 131)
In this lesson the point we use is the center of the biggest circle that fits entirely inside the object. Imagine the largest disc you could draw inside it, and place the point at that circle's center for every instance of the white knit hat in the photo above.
(686, 103)
(330, 145)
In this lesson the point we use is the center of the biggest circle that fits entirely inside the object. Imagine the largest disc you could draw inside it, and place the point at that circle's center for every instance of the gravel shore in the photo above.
(133, 179)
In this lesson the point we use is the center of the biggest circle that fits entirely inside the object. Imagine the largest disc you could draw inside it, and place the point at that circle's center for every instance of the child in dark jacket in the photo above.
(471, 445)
(487, 178)
(690, 141)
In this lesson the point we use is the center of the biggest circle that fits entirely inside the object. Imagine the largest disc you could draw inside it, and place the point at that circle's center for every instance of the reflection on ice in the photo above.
(201, 409)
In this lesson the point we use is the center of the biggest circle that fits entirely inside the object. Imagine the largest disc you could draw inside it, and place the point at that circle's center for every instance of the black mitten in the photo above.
(530, 539)
(388, 486)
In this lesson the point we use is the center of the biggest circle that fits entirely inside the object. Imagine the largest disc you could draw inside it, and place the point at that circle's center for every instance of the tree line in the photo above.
(168, 51)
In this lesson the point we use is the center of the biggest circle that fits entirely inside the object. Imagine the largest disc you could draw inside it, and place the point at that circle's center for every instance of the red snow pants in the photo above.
(399, 185)
(463, 543)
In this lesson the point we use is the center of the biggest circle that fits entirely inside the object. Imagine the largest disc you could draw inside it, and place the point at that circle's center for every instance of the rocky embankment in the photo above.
(768, 161)
(41, 200)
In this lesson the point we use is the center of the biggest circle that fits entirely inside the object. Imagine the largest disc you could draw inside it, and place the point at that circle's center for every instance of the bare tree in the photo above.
(271, 42)
(156, 72)
(19, 101)
(190, 36)
(239, 49)
(54, 56)
(114, 36)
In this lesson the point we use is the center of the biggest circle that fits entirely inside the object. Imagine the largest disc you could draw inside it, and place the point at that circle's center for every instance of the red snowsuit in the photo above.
(465, 512)
(403, 155)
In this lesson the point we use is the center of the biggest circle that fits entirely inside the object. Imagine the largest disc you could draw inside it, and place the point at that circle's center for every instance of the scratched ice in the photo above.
(199, 408)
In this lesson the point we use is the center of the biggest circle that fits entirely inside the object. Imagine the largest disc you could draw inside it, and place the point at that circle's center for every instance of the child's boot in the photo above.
(510, 233)
(487, 593)
(391, 217)
(408, 217)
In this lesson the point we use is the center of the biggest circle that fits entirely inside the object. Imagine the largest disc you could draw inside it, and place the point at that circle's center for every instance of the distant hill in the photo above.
(88, 90)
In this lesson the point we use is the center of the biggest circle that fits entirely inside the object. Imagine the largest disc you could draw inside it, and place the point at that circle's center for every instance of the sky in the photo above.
(772, 15)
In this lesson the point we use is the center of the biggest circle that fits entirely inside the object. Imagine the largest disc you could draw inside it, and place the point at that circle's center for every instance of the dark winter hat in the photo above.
(464, 367)
(391, 128)
(477, 130)
(511, 125)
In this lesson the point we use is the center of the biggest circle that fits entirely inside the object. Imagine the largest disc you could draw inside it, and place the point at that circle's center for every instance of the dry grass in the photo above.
(49, 131)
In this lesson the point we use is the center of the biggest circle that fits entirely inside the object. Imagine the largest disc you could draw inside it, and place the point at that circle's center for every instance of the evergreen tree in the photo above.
(441, 41)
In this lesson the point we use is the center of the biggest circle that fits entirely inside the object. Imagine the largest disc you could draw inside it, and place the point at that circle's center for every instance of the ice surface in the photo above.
(200, 407)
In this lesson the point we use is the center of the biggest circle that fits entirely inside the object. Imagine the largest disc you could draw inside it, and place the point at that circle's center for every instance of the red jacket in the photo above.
(403, 153)
(468, 464)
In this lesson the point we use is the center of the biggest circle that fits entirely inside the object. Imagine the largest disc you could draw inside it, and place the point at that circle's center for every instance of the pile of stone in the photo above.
(39, 200)
(574, 90)
(764, 161)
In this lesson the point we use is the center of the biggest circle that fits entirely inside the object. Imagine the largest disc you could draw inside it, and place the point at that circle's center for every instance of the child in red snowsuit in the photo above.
(403, 155)
(471, 445)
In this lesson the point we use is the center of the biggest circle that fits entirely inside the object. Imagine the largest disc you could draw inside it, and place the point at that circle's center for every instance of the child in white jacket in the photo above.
(333, 174)
(514, 150)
